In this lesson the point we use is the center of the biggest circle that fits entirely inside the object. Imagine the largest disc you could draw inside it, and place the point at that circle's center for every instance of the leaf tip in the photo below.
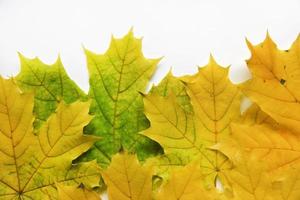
(268, 39)
(212, 59)
(131, 30)
(58, 60)
(170, 72)
(249, 44)
(21, 56)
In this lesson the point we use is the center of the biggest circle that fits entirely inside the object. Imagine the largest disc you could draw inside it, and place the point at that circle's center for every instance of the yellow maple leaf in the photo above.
(273, 148)
(31, 164)
(216, 103)
(76, 192)
(286, 185)
(126, 179)
(276, 146)
(265, 148)
(275, 70)
(249, 180)
(186, 184)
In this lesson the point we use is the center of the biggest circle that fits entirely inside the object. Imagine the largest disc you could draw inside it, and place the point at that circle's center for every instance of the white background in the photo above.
(183, 31)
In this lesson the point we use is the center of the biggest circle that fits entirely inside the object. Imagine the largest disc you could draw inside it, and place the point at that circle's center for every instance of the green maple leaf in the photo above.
(116, 78)
(50, 83)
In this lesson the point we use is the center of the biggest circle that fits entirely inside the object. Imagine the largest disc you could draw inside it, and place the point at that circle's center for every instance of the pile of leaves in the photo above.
(186, 139)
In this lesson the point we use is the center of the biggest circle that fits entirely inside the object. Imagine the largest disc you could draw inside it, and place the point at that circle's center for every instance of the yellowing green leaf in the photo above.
(116, 78)
(216, 103)
(170, 85)
(50, 83)
(126, 179)
(76, 193)
(165, 163)
(186, 184)
(31, 164)
(275, 81)
(171, 126)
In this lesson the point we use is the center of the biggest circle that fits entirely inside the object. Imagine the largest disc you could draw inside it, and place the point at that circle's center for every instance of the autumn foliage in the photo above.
(185, 139)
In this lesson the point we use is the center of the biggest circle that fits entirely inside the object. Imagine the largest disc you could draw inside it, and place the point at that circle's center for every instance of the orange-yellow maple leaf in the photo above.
(275, 81)
(126, 179)
(186, 184)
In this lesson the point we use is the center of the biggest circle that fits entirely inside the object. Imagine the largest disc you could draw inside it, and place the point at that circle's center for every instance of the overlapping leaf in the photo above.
(275, 70)
(268, 131)
(254, 176)
(126, 179)
(173, 85)
(215, 103)
(286, 187)
(249, 179)
(276, 146)
(116, 78)
(31, 164)
(170, 86)
(186, 184)
(50, 83)
(76, 193)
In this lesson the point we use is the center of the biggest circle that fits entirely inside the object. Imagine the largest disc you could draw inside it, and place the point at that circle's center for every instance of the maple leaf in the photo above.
(126, 179)
(259, 133)
(249, 180)
(286, 187)
(50, 83)
(216, 103)
(275, 145)
(170, 85)
(275, 70)
(274, 148)
(31, 164)
(116, 78)
(164, 164)
(76, 192)
(186, 184)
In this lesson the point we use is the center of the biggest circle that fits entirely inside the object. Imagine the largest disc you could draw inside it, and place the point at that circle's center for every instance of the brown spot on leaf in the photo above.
(282, 81)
